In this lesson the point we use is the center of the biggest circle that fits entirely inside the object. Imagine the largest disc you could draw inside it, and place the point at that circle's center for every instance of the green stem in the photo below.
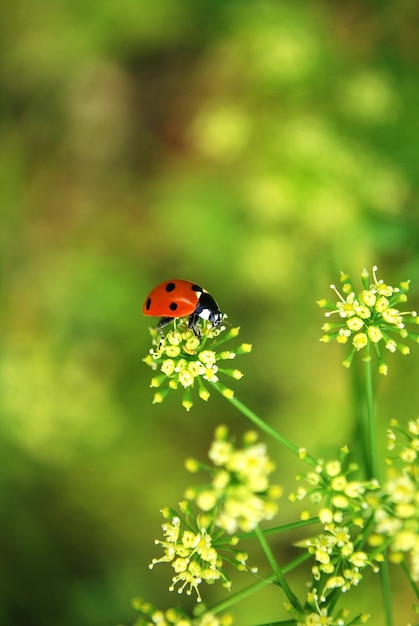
(373, 472)
(242, 594)
(282, 528)
(386, 590)
(280, 578)
(412, 582)
(371, 434)
(288, 622)
(251, 415)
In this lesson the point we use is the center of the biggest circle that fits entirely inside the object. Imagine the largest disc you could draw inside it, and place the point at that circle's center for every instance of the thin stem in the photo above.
(282, 528)
(386, 590)
(412, 582)
(242, 594)
(288, 622)
(371, 434)
(260, 584)
(263, 425)
(373, 472)
(277, 571)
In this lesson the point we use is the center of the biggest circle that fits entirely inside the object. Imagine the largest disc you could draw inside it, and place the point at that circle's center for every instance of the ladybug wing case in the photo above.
(173, 298)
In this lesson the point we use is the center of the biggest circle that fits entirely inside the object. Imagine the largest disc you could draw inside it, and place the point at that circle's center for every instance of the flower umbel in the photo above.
(196, 551)
(340, 559)
(314, 615)
(332, 491)
(182, 360)
(369, 317)
(338, 551)
(403, 443)
(239, 495)
(397, 513)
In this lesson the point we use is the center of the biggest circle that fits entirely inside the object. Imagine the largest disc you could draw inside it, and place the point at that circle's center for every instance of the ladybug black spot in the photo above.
(148, 304)
(173, 306)
(170, 286)
(196, 288)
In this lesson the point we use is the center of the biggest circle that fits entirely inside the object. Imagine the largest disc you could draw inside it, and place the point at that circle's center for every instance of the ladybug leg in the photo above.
(193, 324)
(163, 322)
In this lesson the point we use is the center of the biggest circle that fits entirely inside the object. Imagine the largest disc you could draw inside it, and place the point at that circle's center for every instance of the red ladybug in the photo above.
(179, 298)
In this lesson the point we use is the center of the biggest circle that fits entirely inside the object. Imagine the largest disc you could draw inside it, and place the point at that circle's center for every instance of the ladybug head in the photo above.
(207, 309)
(216, 318)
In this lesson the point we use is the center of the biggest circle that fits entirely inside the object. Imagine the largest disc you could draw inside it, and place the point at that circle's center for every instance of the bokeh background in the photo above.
(257, 148)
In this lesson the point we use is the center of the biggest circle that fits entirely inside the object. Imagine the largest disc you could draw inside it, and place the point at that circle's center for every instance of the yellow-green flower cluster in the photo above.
(194, 550)
(315, 615)
(149, 614)
(240, 495)
(369, 318)
(403, 443)
(397, 514)
(339, 560)
(183, 361)
(331, 491)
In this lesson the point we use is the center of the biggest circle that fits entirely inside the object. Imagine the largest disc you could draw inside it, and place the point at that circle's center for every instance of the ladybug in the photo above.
(179, 298)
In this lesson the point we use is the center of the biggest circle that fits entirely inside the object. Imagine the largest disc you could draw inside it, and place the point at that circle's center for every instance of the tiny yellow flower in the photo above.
(338, 483)
(383, 369)
(375, 334)
(333, 468)
(368, 297)
(360, 340)
(326, 516)
(340, 502)
(173, 351)
(354, 324)
(228, 393)
(342, 336)
(244, 348)
(206, 500)
(185, 378)
(359, 559)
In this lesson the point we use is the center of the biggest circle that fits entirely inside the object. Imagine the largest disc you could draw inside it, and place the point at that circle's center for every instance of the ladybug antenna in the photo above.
(225, 321)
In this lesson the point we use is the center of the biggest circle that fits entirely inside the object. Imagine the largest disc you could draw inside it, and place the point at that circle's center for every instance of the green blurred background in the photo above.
(255, 147)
